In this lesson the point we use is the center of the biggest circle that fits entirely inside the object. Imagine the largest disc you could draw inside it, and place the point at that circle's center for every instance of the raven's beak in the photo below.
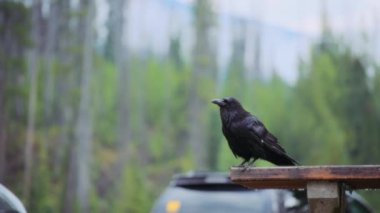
(218, 102)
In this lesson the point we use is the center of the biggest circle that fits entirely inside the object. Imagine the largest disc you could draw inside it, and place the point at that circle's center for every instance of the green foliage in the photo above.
(105, 102)
(15, 21)
(330, 116)
(44, 189)
(361, 117)
(318, 92)
(133, 195)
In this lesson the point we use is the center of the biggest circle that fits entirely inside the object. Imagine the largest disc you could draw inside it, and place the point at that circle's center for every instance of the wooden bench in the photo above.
(325, 185)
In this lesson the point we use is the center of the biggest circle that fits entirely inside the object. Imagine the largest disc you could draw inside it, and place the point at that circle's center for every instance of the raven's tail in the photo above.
(282, 159)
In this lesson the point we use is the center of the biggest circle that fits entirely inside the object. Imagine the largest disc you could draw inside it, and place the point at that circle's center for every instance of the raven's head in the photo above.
(228, 103)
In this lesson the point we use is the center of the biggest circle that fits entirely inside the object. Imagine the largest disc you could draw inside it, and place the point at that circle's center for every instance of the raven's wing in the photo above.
(258, 130)
(277, 154)
(251, 127)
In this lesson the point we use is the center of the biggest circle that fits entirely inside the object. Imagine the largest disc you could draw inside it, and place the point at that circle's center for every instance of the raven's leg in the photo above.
(250, 163)
(244, 161)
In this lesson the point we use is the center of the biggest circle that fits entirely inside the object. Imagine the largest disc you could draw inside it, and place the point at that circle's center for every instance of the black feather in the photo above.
(247, 136)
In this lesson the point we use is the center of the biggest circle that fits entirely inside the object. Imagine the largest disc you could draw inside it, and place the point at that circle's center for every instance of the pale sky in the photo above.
(288, 27)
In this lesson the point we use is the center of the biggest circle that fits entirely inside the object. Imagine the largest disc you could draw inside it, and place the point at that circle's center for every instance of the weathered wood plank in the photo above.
(355, 176)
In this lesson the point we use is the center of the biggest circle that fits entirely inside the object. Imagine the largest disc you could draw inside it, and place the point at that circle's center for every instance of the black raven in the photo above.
(247, 136)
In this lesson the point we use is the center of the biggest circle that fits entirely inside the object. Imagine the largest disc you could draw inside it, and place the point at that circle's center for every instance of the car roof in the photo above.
(191, 178)
(205, 181)
(9, 201)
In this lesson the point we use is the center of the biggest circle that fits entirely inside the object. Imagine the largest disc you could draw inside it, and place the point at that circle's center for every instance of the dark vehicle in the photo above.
(9, 203)
(214, 193)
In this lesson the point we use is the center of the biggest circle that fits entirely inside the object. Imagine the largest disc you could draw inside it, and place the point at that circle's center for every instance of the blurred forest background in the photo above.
(89, 126)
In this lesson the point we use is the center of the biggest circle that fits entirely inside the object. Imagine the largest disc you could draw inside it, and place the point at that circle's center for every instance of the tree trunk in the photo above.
(119, 53)
(203, 70)
(65, 141)
(33, 73)
(49, 56)
(72, 173)
(84, 122)
(14, 28)
(3, 48)
(140, 113)
(69, 35)
(2, 122)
